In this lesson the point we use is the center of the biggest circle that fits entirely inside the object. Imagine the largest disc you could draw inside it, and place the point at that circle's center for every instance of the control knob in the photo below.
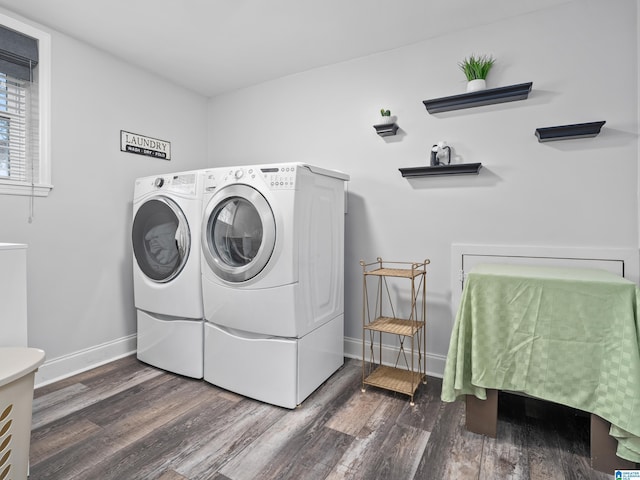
(239, 174)
(159, 182)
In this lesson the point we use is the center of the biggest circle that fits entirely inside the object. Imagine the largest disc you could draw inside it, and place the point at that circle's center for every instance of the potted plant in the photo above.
(476, 69)
(385, 117)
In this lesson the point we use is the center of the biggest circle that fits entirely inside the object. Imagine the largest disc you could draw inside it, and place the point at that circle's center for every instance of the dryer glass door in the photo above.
(238, 234)
(161, 239)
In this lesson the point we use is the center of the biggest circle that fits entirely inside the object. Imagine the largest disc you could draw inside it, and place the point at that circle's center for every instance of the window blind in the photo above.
(18, 54)
(19, 151)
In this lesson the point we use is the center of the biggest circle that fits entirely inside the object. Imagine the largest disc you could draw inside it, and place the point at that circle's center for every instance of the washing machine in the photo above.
(167, 215)
(273, 279)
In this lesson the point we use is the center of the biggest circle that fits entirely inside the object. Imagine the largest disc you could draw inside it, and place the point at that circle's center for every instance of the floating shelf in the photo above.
(455, 169)
(566, 132)
(386, 129)
(479, 98)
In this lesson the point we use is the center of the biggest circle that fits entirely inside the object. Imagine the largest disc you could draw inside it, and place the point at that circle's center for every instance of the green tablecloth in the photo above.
(567, 335)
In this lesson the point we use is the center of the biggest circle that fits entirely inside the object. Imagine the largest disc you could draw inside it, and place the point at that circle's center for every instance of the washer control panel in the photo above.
(185, 183)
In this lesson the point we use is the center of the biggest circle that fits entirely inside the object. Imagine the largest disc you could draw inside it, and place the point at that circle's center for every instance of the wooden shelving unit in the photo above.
(379, 318)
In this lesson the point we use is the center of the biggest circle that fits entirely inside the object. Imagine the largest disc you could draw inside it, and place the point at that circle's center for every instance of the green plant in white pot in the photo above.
(385, 117)
(476, 69)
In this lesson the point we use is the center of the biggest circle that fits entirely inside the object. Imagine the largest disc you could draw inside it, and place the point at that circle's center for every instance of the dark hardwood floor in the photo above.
(130, 421)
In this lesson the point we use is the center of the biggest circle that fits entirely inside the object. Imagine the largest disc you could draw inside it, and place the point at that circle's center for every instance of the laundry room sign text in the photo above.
(151, 147)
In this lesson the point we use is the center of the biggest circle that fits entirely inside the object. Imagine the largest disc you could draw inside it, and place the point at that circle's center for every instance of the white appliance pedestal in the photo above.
(171, 344)
(276, 370)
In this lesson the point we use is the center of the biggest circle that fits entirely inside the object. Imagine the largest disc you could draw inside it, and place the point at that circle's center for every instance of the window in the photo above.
(24, 109)
(16, 141)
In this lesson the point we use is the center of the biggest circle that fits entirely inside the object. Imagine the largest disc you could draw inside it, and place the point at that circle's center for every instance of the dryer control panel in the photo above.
(239, 174)
(274, 177)
(281, 178)
(211, 180)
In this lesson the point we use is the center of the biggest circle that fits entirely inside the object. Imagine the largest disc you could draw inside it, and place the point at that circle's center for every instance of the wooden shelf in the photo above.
(395, 379)
(396, 326)
(479, 98)
(566, 132)
(396, 272)
(386, 129)
(455, 169)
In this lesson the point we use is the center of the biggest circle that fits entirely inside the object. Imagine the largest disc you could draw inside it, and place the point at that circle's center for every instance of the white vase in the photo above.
(386, 120)
(476, 85)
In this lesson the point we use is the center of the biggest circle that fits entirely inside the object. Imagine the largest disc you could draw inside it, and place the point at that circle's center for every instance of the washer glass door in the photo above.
(161, 239)
(238, 234)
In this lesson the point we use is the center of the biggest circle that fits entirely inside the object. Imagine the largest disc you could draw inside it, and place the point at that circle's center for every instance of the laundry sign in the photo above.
(151, 147)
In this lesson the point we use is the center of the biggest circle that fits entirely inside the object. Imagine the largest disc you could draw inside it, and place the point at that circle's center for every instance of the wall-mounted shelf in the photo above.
(386, 129)
(477, 99)
(566, 132)
(455, 169)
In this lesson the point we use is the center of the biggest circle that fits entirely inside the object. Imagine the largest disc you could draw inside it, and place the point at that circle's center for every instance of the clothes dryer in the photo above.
(167, 213)
(273, 279)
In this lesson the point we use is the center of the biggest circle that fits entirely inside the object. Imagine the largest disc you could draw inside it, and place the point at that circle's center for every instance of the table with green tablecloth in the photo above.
(567, 335)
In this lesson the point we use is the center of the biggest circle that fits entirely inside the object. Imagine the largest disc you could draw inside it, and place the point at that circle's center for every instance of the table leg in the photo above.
(603, 448)
(482, 415)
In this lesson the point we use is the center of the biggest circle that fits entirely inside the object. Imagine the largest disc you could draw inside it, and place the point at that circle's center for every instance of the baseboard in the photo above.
(353, 349)
(67, 365)
(62, 367)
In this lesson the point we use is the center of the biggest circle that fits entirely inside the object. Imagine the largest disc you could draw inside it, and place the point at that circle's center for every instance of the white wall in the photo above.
(582, 60)
(571, 193)
(80, 292)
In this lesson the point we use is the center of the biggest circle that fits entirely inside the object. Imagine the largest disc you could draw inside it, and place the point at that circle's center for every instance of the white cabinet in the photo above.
(13, 295)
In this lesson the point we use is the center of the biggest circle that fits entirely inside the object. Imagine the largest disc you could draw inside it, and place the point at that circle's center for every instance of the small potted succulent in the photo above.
(385, 117)
(476, 69)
